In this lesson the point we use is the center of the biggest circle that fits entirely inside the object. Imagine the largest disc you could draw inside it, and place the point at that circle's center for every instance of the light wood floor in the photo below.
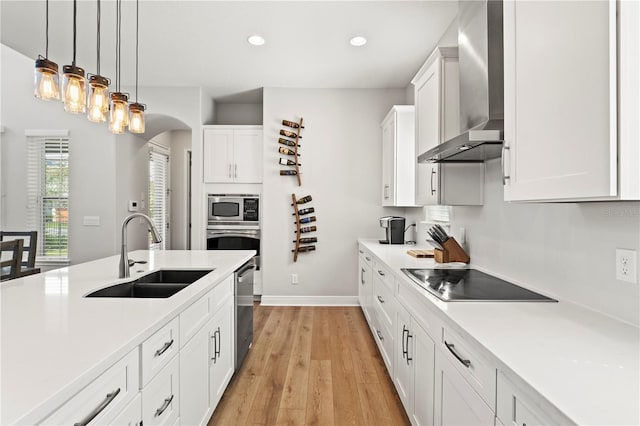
(311, 366)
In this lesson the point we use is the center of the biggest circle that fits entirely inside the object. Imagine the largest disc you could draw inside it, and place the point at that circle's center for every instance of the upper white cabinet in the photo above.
(232, 154)
(571, 127)
(398, 157)
(437, 120)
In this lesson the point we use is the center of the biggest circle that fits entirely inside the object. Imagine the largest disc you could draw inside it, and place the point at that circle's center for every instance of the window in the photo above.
(48, 194)
(159, 194)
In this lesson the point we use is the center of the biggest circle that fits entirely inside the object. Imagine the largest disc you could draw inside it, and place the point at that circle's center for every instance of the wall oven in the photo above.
(234, 223)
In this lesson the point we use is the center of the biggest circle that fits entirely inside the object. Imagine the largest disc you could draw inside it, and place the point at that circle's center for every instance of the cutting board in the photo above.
(420, 253)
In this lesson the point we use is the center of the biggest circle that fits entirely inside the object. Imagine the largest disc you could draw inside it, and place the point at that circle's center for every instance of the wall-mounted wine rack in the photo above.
(290, 148)
(303, 244)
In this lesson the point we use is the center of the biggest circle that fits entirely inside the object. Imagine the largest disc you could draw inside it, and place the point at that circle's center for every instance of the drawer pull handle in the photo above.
(381, 273)
(110, 397)
(362, 276)
(368, 258)
(405, 351)
(379, 335)
(219, 343)
(451, 347)
(380, 299)
(361, 252)
(164, 348)
(165, 405)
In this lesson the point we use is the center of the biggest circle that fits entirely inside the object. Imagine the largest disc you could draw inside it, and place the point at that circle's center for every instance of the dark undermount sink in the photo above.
(159, 284)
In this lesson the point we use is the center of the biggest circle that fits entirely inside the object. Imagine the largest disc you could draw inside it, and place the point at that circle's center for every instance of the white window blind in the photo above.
(159, 196)
(48, 194)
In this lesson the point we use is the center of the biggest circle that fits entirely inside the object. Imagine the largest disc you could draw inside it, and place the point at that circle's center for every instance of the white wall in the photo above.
(341, 163)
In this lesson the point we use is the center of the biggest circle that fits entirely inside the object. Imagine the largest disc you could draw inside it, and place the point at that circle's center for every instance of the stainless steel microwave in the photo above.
(233, 208)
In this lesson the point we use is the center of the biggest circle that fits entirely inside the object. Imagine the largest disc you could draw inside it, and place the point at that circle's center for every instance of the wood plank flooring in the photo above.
(311, 366)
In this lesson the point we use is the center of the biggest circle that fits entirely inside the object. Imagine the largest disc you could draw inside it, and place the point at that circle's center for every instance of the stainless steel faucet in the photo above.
(123, 271)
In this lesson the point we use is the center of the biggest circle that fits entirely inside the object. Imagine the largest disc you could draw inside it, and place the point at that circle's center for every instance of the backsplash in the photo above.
(566, 250)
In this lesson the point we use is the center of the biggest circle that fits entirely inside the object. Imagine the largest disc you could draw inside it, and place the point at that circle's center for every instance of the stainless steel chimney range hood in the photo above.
(481, 63)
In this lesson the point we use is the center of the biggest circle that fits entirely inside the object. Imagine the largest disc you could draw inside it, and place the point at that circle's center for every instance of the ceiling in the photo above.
(203, 43)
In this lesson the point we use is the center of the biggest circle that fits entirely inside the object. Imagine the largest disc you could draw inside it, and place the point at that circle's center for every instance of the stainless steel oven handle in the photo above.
(250, 234)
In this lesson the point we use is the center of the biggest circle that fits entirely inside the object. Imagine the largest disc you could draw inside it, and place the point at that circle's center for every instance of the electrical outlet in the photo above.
(463, 236)
(627, 265)
(294, 279)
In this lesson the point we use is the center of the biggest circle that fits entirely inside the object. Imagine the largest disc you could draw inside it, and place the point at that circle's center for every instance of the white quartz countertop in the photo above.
(583, 362)
(55, 341)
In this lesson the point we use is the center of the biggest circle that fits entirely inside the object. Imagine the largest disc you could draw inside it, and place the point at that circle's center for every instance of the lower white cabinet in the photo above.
(365, 285)
(194, 379)
(221, 351)
(456, 402)
(414, 369)
(161, 397)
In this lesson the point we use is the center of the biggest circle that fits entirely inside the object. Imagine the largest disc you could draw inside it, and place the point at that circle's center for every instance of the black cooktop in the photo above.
(470, 285)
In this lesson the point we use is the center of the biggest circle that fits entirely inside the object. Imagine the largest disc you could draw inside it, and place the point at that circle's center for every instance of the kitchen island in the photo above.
(55, 341)
(555, 363)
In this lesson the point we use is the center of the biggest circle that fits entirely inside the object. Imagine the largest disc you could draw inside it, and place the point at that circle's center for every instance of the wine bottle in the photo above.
(307, 229)
(288, 172)
(305, 211)
(305, 248)
(307, 219)
(304, 200)
(307, 240)
(286, 151)
(290, 134)
(287, 142)
(291, 124)
(286, 162)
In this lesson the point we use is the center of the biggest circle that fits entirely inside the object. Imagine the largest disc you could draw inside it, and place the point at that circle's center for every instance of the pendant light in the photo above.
(74, 93)
(118, 114)
(46, 73)
(136, 110)
(98, 85)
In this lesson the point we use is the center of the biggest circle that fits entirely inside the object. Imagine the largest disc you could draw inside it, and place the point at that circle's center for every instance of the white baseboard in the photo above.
(309, 301)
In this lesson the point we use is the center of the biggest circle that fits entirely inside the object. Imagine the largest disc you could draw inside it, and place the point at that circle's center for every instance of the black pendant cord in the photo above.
(74, 32)
(137, 31)
(98, 41)
(46, 38)
(119, 44)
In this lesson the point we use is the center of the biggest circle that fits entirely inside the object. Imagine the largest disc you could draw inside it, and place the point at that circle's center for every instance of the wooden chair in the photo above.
(10, 268)
(30, 245)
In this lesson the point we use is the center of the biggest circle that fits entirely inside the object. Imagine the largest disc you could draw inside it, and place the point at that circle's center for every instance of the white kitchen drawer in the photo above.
(161, 398)
(101, 400)
(384, 302)
(221, 292)
(194, 317)
(381, 271)
(384, 338)
(131, 415)
(158, 349)
(518, 405)
(472, 363)
(365, 255)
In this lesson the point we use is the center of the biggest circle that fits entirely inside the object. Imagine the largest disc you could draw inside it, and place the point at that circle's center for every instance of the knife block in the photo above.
(452, 253)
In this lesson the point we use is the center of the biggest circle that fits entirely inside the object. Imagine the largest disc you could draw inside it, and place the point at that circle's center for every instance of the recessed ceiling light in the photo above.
(358, 41)
(255, 40)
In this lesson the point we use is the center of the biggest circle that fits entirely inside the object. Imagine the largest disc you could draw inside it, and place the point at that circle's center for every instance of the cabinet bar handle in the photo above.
(165, 405)
(404, 350)
(381, 273)
(361, 252)
(219, 343)
(235, 172)
(362, 275)
(368, 258)
(504, 176)
(433, 173)
(409, 336)
(229, 171)
(380, 299)
(215, 346)
(164, 348)
(110, 397)
(379, 335)
(451, 347)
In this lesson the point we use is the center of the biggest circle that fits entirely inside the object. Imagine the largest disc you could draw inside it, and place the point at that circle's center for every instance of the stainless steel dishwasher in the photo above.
(243, 313)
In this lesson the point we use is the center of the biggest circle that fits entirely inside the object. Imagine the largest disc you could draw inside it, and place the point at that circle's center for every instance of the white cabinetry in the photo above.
(232, 154)
(131, 415)
(161, 397)
(194, 379)
(437, 120)
(398, 157)
(414, 371)
(562, 115)
(365, 285)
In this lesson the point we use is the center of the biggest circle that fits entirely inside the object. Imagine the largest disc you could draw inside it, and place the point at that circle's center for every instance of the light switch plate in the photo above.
(627, 265)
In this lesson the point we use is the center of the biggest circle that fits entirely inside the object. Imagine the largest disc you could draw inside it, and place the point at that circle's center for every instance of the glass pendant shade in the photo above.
(74, 94)
(119, 112)
(98, 98)
(47, 85)
(136, 118)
